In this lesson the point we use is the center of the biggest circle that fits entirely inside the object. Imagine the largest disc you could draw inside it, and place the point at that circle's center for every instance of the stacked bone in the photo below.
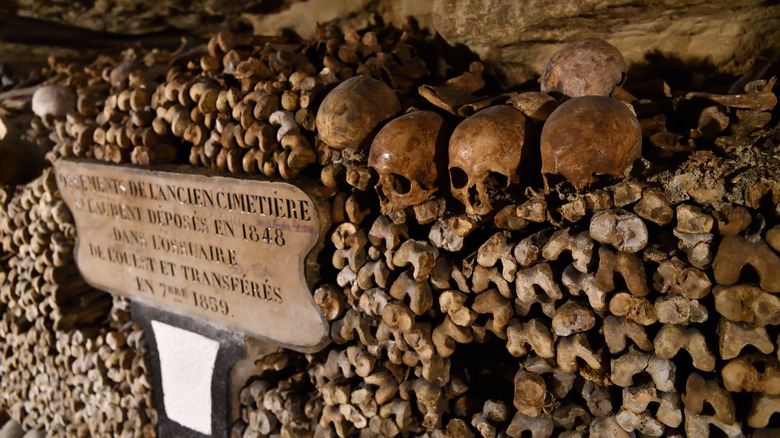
(402, 307)
(249, 105)
(246, 109)
(508, 265)
(257, 98)
(277, 398)
(526, 278)
(73, 361)
(103, 110)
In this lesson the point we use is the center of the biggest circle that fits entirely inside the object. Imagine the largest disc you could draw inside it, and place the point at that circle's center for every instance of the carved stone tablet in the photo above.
(239, 252)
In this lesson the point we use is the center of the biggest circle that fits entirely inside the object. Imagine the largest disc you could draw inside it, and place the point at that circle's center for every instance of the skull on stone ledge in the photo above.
(408, 153)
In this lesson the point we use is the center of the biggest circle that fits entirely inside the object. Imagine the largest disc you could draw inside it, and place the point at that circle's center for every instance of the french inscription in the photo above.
(233, 251)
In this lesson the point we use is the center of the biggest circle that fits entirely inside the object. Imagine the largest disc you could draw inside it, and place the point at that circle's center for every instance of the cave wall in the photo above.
(513, 38)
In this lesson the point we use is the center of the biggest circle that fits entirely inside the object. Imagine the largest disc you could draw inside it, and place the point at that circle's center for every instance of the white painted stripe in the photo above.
(187, 366)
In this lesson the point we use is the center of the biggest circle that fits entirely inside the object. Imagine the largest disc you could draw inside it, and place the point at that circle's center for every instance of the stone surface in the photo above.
(237, 252)
(139, 16)
(303, 16)
(517, 38)
(203, 17)
(63, 29)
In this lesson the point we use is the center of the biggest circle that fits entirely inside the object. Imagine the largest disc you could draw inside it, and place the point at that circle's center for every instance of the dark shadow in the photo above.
(490, 369)
(446, 61)
(32, 31)
(266, 7)
(700, 75)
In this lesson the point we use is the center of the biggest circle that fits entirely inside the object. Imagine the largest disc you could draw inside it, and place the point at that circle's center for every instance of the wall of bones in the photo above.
(585, 255)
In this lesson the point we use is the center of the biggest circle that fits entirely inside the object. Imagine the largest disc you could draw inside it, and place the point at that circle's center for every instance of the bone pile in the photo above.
(240, 104)
(619, 294)
(589, 257)
(591, 349)
(73, 360)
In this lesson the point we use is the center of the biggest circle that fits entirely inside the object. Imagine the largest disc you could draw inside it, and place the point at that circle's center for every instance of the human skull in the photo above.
(486, 152)
(53, 101)
(352, 110)
(407, 153)
(589, 67)
(589, 136)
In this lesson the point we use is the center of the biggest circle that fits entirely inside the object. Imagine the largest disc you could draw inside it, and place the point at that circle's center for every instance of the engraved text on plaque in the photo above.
(234, 251)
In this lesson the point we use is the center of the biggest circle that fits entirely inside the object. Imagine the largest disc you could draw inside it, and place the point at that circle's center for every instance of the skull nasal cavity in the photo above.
(458, 177)
(401, 185)
(473, 198)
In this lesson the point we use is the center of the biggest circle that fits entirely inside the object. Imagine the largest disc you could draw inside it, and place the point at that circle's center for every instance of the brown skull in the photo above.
(485, 153)
(588, 136)
(406, 154)
(352, 110)
(589, 67)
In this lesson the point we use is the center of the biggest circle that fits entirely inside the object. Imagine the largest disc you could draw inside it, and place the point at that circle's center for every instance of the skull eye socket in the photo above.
(458, 177)
(401, 185)
(496, 180)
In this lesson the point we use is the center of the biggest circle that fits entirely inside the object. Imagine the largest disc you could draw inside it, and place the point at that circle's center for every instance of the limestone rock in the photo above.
(517, 38)
(302, 16)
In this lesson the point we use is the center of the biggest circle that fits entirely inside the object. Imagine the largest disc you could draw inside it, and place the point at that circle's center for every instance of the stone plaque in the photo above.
(236, 251)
